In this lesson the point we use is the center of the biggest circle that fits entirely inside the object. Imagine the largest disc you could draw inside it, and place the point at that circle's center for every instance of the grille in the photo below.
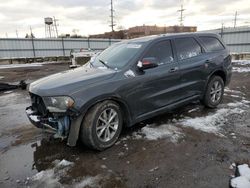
(38, 104)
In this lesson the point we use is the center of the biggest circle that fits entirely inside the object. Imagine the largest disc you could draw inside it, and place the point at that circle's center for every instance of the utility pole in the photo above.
(16, 34)
(235, 18)
(55, 23)
(222, 30)
(31, 34)
(112, 16)
(181, 16)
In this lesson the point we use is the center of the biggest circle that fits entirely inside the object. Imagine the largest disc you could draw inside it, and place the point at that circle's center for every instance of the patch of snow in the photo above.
(233, 91)
(51, 177)
(10, 66)
(244, 170)
(44, 174)
(88, 182)
(241, 69)
(245, 101)
(7, 92)
(211, 123)
(154, 169)
(241, 62)
(237, 104)
(240, 182)
(64, 163)
(154, 132)
(193, 110)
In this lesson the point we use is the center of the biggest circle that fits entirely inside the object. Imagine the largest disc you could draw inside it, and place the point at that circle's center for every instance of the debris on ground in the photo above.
(5, 86)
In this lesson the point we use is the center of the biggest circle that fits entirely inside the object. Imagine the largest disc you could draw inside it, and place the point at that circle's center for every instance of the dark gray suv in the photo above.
(128, 82)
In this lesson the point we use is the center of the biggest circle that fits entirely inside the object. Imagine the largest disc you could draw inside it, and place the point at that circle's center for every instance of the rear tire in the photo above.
(214, 92)
(102, 125)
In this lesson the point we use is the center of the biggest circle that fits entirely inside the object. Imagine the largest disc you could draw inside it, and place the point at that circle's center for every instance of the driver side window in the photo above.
(162, 51)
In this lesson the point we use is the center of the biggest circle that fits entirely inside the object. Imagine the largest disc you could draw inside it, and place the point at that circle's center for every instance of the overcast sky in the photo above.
(87, 17)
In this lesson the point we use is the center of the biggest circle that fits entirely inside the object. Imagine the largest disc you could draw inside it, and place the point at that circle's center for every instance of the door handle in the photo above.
(208, 61)
(173, 69)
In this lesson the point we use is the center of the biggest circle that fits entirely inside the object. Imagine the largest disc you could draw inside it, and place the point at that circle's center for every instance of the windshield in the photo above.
(117, 55)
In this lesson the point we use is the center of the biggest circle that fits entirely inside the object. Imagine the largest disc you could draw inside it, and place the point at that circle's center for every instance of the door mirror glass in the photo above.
(147, 63)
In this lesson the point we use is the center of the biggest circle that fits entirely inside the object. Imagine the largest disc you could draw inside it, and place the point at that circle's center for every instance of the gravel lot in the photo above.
(191, 147)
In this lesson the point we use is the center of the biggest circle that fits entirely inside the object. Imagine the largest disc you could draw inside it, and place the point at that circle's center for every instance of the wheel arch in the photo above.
(124, 107)
(220, 73)
(77, 123)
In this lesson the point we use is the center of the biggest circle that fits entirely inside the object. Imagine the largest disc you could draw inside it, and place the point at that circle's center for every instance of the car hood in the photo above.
(70, 81)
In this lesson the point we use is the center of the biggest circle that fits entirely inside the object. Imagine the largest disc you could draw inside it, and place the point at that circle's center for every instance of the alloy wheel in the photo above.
(107, 125)
(216, 92)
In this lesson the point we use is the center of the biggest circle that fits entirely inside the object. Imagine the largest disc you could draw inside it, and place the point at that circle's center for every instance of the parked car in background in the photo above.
(130, 81)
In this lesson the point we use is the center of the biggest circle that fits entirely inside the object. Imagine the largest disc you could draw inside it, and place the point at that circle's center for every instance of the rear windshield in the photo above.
(117, 55)
(212, 44)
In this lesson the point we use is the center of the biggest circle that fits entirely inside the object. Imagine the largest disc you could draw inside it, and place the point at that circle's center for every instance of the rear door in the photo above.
(217, 55)
(192, 62)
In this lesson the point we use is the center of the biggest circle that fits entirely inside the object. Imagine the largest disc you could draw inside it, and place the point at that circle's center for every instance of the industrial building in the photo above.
(145, 30)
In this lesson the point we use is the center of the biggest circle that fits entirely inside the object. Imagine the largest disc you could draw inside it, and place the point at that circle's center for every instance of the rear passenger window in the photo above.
(162, 51)
(212, 44)
(187, 48)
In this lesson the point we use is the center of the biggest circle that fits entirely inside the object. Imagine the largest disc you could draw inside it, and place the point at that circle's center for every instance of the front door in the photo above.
(157, 87)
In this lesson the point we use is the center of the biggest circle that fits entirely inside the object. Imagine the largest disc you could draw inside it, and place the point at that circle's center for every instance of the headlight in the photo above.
(58, 104)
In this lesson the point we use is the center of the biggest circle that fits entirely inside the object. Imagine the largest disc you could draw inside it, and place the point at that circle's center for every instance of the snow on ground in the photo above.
(235, 92)
(20, 65)
(241, 62)
(154, 132)
(88, 181)
(243, 180)
(51, 177)
(212, 122)
(9, 66)
(64, 163)
(241, 69)
(241, 66)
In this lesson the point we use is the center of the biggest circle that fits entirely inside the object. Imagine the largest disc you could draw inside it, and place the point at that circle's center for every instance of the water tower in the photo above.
(49, 28)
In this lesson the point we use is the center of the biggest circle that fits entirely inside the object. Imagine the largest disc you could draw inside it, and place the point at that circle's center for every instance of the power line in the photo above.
(181, 16)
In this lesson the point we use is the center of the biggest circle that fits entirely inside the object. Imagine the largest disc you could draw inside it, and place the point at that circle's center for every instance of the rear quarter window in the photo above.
(212, 44)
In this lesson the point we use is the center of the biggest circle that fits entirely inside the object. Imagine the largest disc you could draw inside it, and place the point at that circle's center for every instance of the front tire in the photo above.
(214, 92)
(102, 125)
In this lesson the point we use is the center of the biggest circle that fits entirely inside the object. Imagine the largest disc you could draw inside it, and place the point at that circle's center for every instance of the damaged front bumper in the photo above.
(50, 124)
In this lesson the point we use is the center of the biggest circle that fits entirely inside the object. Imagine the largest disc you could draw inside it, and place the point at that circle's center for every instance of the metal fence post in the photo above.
(63, 48)
(88, 43)
(33, 46)
(221, 32)
(109, 41)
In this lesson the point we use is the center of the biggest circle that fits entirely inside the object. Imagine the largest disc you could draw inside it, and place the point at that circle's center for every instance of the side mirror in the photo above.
(147, 63)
